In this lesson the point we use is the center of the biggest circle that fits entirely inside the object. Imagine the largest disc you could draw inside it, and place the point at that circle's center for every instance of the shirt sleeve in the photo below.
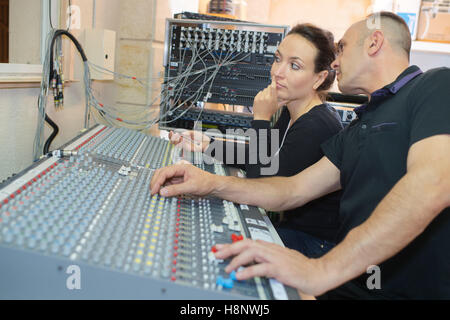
(333, 149)
(430, 114)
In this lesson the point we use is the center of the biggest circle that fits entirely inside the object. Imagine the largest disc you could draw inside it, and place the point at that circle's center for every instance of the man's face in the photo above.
(349, 63)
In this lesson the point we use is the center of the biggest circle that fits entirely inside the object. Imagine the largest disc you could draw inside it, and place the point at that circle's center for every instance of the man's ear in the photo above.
(375, 42)
(321, 76)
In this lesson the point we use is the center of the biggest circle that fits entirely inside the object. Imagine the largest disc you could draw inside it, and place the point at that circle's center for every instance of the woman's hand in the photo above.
(266, 103)
(193, 141)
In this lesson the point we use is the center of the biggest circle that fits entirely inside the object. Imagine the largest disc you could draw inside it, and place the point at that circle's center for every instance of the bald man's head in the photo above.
(394, 29)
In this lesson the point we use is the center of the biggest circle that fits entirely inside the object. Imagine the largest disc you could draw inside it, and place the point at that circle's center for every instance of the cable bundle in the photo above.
(170, 95)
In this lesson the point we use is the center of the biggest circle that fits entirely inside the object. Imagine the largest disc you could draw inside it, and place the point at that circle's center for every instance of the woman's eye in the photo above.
(277, 59)
(295, 66)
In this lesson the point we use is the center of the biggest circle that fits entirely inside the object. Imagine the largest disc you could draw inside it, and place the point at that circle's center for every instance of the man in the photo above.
(393, 165)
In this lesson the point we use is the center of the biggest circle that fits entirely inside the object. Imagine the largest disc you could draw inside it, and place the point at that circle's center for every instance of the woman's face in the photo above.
(293, 68)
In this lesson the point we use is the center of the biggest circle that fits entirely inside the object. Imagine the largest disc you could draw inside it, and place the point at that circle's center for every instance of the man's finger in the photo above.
(161, 175)
(257, 270)
(224, 251)
(177, 189)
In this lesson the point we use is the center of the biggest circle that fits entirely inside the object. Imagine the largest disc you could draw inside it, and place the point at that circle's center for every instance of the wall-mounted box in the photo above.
(434, 21)
(100, 46)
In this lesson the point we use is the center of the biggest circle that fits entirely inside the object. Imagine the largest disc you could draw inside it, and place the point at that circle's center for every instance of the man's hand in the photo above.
(266, 103)
(190, 140)
(182, 179)
(288, 266)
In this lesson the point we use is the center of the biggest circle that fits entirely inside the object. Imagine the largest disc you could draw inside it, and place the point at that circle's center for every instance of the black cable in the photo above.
(58, 33)
(52, 136)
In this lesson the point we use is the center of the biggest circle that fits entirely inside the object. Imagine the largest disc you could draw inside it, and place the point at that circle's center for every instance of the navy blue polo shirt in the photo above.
(371, 154)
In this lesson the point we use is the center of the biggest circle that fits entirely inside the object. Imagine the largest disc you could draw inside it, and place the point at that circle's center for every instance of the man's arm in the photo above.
(400, 217)
(275, 193)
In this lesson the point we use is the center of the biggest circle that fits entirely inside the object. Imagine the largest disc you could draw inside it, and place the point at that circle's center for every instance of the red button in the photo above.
(177, 229)
(175, 254)
(173, 278)
(214, 249)
(175, 248)
(176, 240)
(174, 262)
(176, 235)
(174, 270)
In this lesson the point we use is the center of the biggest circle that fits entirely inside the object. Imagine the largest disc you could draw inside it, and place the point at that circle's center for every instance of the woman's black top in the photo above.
(300, 150)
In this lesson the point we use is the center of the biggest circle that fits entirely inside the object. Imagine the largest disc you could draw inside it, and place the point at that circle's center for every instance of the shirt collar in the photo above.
(391, 89)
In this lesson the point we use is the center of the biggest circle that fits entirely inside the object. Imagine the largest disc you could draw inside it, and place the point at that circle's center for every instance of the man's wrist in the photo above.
(219, 185)
(325, 276)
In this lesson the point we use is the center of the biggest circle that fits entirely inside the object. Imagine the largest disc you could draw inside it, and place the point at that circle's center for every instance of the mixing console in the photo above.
(94, 211)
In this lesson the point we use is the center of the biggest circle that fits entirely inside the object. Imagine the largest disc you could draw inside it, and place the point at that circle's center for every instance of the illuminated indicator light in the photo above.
(150, 255)
(140, 252)
(214, 249)
(149, 263)
(138, 260)
(141, 245)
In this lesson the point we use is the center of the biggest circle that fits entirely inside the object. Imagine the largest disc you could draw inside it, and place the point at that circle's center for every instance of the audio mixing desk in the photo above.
(87, 227)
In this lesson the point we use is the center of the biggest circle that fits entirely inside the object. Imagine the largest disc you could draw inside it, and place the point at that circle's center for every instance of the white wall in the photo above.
(429, 60)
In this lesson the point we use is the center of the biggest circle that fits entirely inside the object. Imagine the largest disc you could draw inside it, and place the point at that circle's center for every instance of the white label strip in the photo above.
(278, 290)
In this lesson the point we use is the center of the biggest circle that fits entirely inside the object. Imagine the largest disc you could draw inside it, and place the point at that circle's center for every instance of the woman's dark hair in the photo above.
(323, 40)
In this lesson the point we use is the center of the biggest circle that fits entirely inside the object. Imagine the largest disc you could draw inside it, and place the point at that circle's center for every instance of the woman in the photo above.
(301, 74)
